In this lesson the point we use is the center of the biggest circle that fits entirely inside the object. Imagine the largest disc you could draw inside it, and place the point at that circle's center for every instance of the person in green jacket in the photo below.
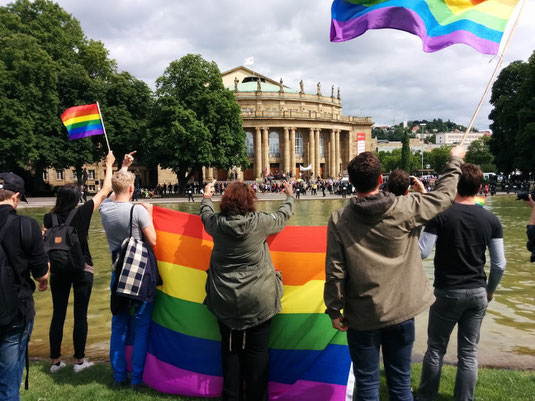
(243, 290)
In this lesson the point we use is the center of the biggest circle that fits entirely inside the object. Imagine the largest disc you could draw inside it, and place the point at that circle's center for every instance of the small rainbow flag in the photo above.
(439, 23)
(480, 201)
(309, 360)
(83, 121)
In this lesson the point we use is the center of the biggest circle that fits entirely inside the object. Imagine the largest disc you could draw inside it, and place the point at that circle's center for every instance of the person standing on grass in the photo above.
(374, 272)
(241, 273)
(462, 235)
(22, 256)
(115, 212)
(63, 277)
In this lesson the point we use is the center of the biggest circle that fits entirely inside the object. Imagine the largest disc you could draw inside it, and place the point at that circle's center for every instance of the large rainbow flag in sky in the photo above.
(439, 23)
(309, 360)
(83, 121)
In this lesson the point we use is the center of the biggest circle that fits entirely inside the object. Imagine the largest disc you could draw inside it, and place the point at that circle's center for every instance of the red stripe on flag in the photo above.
(79, 111)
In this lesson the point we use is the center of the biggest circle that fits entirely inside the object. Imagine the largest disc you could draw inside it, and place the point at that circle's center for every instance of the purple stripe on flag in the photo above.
(92, 132)
(167, 378)
(408, 21)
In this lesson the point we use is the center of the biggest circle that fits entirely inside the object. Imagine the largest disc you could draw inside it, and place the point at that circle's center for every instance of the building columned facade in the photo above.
(288, 129)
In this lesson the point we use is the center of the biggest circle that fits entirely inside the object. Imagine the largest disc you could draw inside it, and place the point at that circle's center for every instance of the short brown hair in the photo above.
(470, 180)
(398, 182)
(121, 181)
(239, 198)
(5, 194)
(364, 171)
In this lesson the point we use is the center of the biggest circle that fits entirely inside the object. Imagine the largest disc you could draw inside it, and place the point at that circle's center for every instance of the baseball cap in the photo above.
(12, 182)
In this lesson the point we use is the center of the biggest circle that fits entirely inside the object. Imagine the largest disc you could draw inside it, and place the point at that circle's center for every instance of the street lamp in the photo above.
(423, 125)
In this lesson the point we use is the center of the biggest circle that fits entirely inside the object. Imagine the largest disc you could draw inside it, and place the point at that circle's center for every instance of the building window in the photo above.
(299, 144)
(274, 145)
(45, 175)
(59, 175)
(74, 176)
(322, 148)
(249, 143)
(91, 174)
(91, 188)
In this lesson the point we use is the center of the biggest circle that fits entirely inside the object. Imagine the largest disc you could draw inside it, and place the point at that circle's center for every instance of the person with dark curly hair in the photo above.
(243, 290)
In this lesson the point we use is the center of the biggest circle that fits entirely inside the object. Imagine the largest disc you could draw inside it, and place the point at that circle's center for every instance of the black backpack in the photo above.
(63, 246)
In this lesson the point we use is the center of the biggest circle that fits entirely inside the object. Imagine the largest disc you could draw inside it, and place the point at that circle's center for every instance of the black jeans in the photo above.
(60, 285)
(245, 359)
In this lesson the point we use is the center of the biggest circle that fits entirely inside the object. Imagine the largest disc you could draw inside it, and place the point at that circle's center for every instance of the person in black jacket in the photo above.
(62, 279)
(23, 251)
(530, 229)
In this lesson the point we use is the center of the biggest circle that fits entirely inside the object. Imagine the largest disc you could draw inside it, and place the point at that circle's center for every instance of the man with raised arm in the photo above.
(462, 235)
(375, 282)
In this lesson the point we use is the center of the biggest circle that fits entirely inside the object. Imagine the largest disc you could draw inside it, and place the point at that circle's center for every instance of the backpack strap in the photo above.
(70, 216)
(55, 221)
(26, 234)
(4, 229)
(131, 216)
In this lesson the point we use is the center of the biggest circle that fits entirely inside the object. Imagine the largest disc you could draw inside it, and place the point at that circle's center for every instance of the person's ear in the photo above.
(380, 181)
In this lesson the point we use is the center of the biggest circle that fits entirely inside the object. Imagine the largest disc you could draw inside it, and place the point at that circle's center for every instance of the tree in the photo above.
(439, 156)
(406, 153)
(200, 118)
(510, 97)
(479, 153)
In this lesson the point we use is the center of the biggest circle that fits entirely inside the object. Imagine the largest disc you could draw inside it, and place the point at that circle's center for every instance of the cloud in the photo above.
(383, 74)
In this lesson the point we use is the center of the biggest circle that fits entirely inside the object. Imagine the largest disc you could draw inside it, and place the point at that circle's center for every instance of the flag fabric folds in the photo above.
(439, 23)
(83, 121)
(309, 360)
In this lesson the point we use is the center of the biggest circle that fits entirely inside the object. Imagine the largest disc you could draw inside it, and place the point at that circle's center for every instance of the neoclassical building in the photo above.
(287, 129)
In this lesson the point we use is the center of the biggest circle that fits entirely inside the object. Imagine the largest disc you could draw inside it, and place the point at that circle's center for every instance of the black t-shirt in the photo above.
(33, 260)
(80, 221)
(464, 232)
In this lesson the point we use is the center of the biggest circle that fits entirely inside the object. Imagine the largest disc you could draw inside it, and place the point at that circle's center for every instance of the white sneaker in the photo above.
(84, 365)
(54, 368)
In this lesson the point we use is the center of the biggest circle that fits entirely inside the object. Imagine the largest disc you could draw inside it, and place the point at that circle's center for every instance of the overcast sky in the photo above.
(383, 74)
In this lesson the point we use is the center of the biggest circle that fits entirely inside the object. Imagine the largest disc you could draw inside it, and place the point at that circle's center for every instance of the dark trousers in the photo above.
(396, 342)
(245, 360)
(60, 286)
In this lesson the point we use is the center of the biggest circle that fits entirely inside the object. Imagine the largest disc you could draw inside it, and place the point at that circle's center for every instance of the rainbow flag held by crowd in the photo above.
(309, 360)
(83, 121)
(439, 23)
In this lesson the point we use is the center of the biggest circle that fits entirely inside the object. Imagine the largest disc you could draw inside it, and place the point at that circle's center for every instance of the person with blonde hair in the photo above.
(119, 218)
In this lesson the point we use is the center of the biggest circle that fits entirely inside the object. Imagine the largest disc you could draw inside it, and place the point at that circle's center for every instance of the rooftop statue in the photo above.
(319, 88)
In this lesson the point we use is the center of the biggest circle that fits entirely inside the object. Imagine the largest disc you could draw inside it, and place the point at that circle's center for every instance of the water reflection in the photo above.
(508, 331)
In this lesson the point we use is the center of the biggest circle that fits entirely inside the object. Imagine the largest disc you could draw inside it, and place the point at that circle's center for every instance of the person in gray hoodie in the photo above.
(375, 282)
(243, 290)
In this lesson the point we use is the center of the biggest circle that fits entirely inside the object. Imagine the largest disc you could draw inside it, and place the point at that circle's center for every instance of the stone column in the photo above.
(337, 153)
(265, 140)
(312, 153)
(258, 153)
(317, 168)
(332, 150)
(286, 153)
(292, 151)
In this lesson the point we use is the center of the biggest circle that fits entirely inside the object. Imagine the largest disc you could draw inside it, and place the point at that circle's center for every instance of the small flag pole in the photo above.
(103, 127)
(494, 74)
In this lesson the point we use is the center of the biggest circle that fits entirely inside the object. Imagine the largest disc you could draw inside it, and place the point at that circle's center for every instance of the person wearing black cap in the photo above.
(22, 255)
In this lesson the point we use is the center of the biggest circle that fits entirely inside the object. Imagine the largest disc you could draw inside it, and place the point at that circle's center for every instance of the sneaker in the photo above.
(57, 366)
(78, 367)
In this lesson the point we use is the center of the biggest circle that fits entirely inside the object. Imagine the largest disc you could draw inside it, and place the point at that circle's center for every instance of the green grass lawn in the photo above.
(96, 384)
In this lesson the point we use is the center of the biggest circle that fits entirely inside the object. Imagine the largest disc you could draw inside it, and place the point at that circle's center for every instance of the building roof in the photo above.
(248, 72)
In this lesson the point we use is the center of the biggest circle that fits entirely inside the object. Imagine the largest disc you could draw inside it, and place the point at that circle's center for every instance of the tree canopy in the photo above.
(195, 121)
(513, 116)
(479, 153)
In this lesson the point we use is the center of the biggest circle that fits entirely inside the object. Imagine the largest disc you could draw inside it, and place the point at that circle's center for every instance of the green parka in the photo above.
(243, 289)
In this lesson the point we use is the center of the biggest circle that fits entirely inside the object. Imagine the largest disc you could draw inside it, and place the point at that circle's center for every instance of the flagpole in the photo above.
(494, 74)
(103, 127)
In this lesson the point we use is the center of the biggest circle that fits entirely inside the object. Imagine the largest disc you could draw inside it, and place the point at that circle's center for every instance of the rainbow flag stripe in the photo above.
(83, 121)
(439, 23)
(308, 359)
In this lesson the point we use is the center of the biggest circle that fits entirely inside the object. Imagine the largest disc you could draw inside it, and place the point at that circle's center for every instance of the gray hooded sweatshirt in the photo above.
(243, 289)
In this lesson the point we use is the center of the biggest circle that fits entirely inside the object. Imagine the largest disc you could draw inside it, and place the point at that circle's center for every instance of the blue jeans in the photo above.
(12, 361)
(465, 307)
(397, 342)
(138, 321)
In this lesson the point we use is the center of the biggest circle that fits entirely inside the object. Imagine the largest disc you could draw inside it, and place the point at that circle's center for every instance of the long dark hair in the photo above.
(67, 199)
